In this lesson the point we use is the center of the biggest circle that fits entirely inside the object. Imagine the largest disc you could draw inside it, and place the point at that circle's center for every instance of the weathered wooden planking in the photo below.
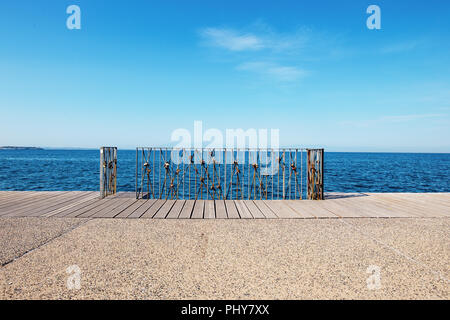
(142, 209)
(197, 213)
(129, 210)
(268, 213)
(164, 210)
(254, 210)
(339, 208)
(37, 200)
(58, 206)
(36, 205)
(231, 209)
(365, 205)
(106, 205)
(80, 201)
(281, 209)
(150, 213)
(9, 196)
(78, 208)
(314, 208)
(174, 213)
(114, 211)
(342, 208)
(41, 202)
(124, 194)
(297, 206)
(396, 209)
(85, 211)
(221, 211)
(55, 204)
(243, 210)
(423, 205)
(187, 209)
(17, 198)
(210, 210)
(87, 204)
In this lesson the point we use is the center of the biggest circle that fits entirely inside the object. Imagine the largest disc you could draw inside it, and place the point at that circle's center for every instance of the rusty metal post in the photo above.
(108, 171)
(315, 161)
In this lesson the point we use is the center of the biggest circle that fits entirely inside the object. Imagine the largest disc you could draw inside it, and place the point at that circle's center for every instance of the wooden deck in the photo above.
(82, 204)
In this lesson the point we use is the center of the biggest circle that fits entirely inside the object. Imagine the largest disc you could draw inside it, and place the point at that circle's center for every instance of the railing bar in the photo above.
(224, 195)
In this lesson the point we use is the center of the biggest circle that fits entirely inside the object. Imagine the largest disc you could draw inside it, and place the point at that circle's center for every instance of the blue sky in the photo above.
(137, 70)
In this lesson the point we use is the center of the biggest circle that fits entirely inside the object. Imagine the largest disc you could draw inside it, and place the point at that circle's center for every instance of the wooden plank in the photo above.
(78, 209)
(401, 208)
(176, 209)
(439, 204)
(440, 200)
(315, 208)
(142, 209)
(125, 194)
(339, 208)
(41, 202)
(17, 198)
(153, 209)
(81, 200)
(281, 209)
(268, 213)
(130, 209)
(197, 213)
(382, 209)
(221, 211)
(164, 210)
(243, 210)
(364, 206)
(422, 207)
(254, 210)
(187, 209)
(38, 195)
(11, 195)
(297, 206)
(232, 211)
(210, 210)
(37, 200)
(54, 204)
(114, 211)
(86, 204)
(37, 203)
(107, 204)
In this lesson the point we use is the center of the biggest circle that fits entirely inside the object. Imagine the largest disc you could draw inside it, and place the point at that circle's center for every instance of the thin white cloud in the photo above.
(261, 37)
(276, 71)
(275, 53)
(232, 40)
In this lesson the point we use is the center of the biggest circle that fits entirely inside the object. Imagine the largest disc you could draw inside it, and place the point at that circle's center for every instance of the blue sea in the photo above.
(344, 172)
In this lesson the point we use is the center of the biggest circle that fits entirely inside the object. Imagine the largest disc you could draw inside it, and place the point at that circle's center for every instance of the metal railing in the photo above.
(108, 171)
(175, 173)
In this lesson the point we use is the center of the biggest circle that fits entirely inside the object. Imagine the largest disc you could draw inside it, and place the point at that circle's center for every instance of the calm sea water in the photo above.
(344, 172)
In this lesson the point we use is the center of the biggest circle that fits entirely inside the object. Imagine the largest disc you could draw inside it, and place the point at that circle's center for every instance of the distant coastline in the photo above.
(20, 148)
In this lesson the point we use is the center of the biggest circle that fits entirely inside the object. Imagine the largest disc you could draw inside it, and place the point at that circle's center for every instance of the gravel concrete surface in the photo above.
(230, 259)
(20, 235)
